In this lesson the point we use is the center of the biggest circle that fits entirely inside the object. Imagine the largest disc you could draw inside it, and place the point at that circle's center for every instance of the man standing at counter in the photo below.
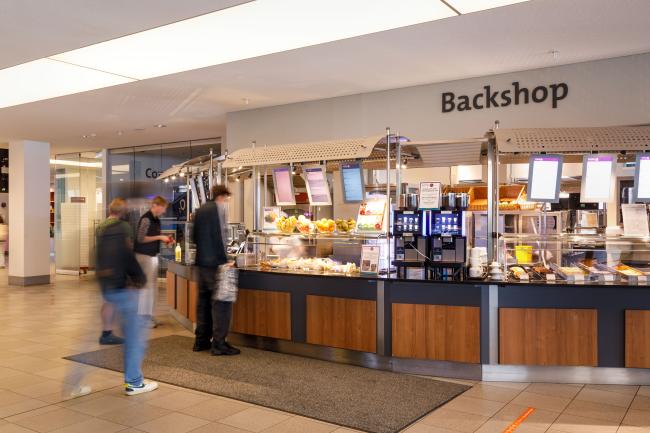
(212, 316)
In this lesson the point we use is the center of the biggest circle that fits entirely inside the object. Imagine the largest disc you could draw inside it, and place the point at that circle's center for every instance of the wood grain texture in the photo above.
(263, 313)
(437, 332)
(343, 323)
(182, 295)
(548, 336)
(637, 338)
(192, 299)
(171, 289)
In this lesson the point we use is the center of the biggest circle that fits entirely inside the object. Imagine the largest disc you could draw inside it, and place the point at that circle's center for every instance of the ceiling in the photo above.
(193, 104)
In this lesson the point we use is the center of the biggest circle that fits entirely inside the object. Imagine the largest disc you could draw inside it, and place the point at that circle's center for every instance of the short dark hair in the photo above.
(219, 190)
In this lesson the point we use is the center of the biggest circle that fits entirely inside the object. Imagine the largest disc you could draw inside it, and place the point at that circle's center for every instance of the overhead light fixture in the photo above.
(166, 180)
(181, 174)
(66, 162)
(160, 125)
(468, 6)
(238, 178)
(47, 78)
(174, 177)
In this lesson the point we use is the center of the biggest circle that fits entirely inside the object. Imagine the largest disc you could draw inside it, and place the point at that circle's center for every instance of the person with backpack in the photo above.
(119, 275)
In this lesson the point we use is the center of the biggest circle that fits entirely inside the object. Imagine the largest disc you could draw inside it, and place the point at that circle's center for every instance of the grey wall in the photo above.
(607, 92)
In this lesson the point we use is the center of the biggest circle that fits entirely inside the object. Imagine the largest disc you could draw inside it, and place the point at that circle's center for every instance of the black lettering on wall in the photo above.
(463, 103)
(448, 102)
(505, 97)
(518, 91)
(475, 103)
(558, 92)
(540, 93)
(491, 97)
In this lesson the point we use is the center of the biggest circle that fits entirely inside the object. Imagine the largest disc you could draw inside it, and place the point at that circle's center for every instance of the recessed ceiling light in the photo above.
(246, 101)
(120, 132)
(93, 135)
(166, 180)
(181, 174)
(467, 6)
(160, 125)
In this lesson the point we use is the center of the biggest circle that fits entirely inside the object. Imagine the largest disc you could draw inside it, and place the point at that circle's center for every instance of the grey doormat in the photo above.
(361, 398)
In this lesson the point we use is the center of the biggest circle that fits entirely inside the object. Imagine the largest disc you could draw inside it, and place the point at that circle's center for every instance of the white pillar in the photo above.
(29, 213)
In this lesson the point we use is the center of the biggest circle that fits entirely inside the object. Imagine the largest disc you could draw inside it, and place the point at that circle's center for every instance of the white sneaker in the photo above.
(79, 392)
(144, 387)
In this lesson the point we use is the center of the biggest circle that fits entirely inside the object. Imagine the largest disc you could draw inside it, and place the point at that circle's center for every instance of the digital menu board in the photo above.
(317, 187)
(597, 172)
(642, 178)
(352, 182)
(283, 185)
(544, 175)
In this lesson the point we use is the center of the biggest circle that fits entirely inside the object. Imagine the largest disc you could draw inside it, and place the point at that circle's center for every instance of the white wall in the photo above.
(607, 92)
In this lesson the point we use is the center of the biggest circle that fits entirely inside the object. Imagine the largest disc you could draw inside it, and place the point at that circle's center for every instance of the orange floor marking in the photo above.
(512, 427)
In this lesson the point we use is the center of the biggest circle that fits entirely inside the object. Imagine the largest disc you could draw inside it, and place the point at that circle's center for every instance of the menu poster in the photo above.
(317, 186)
(369, 259)
(270, 215)
(430, 195)
(635, 220)
(642, 178)
(597, 172)
(352, 182)
(545, 173)
(283, 185)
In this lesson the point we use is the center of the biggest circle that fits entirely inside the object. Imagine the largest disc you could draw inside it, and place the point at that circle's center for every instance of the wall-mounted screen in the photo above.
(544, 175)
(597, 172)
(642, 178)
(283, 185)
(352, 182)
(317, 187)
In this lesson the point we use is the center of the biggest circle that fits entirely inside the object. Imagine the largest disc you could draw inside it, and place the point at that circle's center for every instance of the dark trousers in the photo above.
(212, 317)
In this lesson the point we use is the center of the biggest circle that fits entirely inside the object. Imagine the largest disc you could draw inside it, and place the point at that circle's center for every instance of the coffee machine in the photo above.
(410, 241)
(448, 239)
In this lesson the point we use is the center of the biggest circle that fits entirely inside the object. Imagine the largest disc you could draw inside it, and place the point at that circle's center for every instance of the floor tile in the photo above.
(621, 389)
(454, 420)
(301, 425)
(134, 414)
(254, 419)
(172, 423)
(475, 406)
(48, 418)
(21, 407)
(540, 418)
(13, 428)
(576, 424)
(215, 409)
(539, 401)
(641, 402)
(632, 429)
(498, 426)
(638, 418)
(39, 389)
(416, 428)
(177, 400)
(590, 409)
(644, 390)
(555, 389)
(218, 428)
(512, 385)
(93, 425)
(101, 405)
(492, 393)
(605, 397)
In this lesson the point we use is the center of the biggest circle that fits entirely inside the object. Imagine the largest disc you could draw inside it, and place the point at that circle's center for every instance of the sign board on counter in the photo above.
(369, 259)
(635, 220)
(317, 186)
(270, 215)
(372, 216)
(642, 178)
(352, 182)
(597, 172)
(430, 193)
(283, 186)
(545, 173)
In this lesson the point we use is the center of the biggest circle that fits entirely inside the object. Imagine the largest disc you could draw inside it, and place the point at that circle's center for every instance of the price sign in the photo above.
(430, 195)
(369, 259)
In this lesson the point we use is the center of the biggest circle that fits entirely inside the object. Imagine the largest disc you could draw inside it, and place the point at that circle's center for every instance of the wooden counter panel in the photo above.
(637, 338)
(171, 289)
(343, 323)
(548, 336)
(263, 313)
(437, 332)
(192, 300)
(181, 296)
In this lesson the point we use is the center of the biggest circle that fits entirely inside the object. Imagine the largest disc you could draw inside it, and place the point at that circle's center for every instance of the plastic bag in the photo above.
(227, 284)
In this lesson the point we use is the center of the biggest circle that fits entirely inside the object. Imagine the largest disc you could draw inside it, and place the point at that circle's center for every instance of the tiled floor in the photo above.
(40, 325)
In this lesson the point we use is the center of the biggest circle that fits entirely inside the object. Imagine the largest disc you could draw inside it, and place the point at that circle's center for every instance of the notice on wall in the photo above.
(597, 172)
(545, 173)
(317, 186)
(642, 178)
(283, 185)
(352, 182)
(369, 259)
(430, 195)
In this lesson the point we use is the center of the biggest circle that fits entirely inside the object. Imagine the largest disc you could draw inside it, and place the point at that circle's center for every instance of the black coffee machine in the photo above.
(410, 240)
(447, 241)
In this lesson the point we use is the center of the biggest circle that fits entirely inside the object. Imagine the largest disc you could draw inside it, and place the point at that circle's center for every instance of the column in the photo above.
(29, 239)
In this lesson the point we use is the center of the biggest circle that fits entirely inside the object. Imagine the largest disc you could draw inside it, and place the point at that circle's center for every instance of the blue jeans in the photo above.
(125, 302)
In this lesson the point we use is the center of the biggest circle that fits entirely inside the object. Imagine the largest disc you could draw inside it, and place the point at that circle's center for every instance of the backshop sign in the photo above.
(515, 95)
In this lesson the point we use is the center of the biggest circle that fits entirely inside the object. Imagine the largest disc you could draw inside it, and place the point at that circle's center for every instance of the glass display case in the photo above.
(576, 258)
(312, 253)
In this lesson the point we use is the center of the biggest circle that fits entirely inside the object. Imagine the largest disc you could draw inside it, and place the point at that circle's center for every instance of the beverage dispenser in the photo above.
(410, 241)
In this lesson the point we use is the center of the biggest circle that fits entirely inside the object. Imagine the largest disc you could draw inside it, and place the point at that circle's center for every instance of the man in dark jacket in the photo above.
(117, 269)
(209, 234)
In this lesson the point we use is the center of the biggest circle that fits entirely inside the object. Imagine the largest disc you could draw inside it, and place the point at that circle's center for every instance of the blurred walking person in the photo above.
(209, 234)
(147, 247)
(117, 271)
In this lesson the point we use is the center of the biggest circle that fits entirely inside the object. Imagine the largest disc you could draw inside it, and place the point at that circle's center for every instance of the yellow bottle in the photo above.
(179, 253)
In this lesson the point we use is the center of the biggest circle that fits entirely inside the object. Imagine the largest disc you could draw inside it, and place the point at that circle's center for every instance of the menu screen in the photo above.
(352, 180)
(544, 174)
(597, 171)
(317, 187)
(283, 184)
(642, 178)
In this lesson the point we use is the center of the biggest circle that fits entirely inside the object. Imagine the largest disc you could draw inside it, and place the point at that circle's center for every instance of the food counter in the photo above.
(535, 331)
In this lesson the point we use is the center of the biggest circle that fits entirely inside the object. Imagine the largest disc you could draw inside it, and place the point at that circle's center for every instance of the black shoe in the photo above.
(110, 339)
(232, 347)
(224, 349)
(201, 346)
